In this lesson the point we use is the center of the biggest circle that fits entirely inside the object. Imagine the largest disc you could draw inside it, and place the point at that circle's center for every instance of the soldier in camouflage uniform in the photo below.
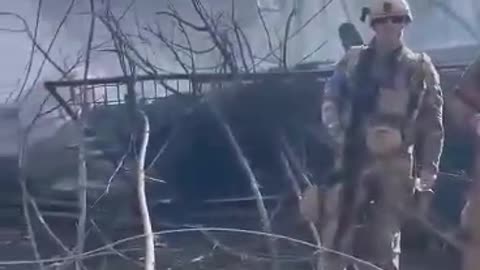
(383, 104)
(468, 91)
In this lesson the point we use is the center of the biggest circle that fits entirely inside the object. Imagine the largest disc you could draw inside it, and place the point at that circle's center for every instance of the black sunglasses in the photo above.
(393, 19)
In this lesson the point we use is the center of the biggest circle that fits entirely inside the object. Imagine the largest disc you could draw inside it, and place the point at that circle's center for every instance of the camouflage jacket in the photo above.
(429, 129)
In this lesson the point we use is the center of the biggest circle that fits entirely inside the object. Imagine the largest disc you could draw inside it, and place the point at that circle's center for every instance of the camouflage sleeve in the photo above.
(331, 100)
(431, 129)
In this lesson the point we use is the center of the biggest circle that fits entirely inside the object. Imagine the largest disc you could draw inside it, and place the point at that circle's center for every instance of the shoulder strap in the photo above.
(418, 82)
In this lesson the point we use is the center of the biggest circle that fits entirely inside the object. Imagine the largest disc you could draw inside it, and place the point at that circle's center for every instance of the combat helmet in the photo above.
(387, 8)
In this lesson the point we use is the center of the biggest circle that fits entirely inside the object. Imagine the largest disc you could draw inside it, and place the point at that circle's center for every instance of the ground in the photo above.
(193, 250)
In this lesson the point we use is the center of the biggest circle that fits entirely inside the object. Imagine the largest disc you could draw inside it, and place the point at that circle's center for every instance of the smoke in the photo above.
(433, 27)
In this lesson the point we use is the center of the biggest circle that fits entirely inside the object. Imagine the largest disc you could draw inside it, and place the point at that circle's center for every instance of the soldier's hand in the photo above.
(426, 181)
(310, 204)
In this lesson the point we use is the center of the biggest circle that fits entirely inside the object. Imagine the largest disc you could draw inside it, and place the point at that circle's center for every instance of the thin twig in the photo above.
(32, 51)
(267, 32)
(34, 41)
(183, 21)
(297, 31)
(292, 14)
(46, 53)
(318, 48)
(46, 226)
(106, 241)
(110, 180)
(249, 47)
(23, 184)
(296, 188)
(267, 227)
(239, 39)
(98, 251)
(162, 38)
(197, 5)
(244, 255)
(190, 50)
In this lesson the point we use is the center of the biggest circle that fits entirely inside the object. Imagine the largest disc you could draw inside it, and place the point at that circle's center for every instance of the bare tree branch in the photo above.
(147, 224)
(239, 40)
(292, 14)
(267, 227)
(114, 250)
(46, 53)
(267, 32)
(160, 35)
(200, 10)
(32, 51)
(297, 31)
(82, 163)
(318, 48)
(183, 21)
(25, 202)
(249, 47)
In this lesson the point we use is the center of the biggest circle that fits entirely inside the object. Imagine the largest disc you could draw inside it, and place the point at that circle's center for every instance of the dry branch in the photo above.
(26, 197)
(101, 250)
(46, 54)
(183, 21)
(32, 51)
(314, 51)
(106, 241)
(187, 38)
(165, 41)
(128, 65)
(23, 184)
(46, 226)
(123, 47)
(292, 14)
(236, 28)
(267, 32)
(147, 225)
(267, 227)
(249, 47)
(296, 32)
(296, 188)
(200, 10)
(82, 157)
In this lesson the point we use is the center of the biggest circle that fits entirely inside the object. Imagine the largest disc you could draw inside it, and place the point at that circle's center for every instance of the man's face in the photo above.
(389, 29)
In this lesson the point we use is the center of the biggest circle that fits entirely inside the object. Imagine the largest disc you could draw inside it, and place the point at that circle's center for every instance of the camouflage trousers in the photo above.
(382, 191)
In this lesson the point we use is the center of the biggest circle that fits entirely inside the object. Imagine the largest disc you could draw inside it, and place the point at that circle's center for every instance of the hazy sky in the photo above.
(430, 29)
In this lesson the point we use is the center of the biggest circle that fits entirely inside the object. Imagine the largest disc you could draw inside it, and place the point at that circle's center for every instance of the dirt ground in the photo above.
(189, 250)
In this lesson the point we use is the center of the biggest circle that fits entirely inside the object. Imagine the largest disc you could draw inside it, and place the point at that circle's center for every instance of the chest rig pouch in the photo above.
(393, 113)
(384, 128)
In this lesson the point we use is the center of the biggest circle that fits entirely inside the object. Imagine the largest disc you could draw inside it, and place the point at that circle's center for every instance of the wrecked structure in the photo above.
(187, 151)
(193, 173)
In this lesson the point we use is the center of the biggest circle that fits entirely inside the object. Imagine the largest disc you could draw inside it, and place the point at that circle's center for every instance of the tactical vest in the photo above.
(383, 117)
